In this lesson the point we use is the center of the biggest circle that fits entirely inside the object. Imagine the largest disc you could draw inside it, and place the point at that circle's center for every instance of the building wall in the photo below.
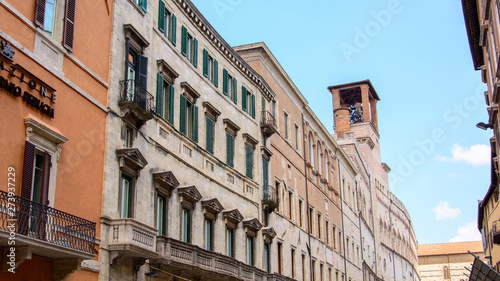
(78, 82)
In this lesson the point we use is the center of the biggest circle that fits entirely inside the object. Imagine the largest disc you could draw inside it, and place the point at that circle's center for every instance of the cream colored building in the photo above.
(448, 261)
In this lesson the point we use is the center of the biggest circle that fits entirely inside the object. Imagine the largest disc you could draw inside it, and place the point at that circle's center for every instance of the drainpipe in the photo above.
(342, 217)
(307, 201)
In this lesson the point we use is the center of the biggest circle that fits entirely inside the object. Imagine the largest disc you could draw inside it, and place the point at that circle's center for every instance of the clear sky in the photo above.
(417, 56)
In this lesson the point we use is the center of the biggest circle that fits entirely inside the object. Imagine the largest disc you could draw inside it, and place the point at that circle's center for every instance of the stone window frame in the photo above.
(231, 220)
(188, 197)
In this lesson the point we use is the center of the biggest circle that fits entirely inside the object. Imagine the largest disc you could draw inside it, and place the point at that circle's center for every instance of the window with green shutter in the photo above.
(244, 99)
(167, 22)
(188, 121)
(229, 149)
(210, 133)
(164, 99)
(186, 225)
(189, 46)
(249, 161)
(210, 66)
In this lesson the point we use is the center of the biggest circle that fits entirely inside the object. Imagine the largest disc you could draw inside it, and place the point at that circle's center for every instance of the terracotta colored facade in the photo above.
(53, 99)
(482, 20)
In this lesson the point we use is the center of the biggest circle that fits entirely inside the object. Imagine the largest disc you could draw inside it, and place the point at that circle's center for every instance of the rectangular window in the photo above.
(229, 149)
(186, 225)
(296, 137)
(347, 248)
(230, 242)
(321, 274)
(167, 23)
(48, 25)
(311, 218)
(292, 257)
(313, 269)
(249, 161)
(247, 101)
(280, 197)
(189, 47)
(334, 241)
(165, 99)
(301, 215)
(125, 195)
(319, 225)
(327, 234)
(280, 258)
(161, 207)
(142, 3)
(209, 235)
(250, 250)
(267, 258)
(210, 68)
(229, 86)
(290, 204)
(303, 267)
(188, 119)
(128, 137)
(285, 119)
(210, 134)
(273, 109)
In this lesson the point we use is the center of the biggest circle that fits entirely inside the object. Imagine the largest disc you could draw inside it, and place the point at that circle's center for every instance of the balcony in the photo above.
(200, 263)
(268, 124)
(137, 103)
(131, 238)
(270, 198)
(45, 231)
(495, 229)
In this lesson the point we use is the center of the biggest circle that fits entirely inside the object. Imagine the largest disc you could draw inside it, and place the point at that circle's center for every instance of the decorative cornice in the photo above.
(233, 216)
(190, 193)
(212, 205)
(198, 20)
(165, 181)
(253, 225)
(132, 158)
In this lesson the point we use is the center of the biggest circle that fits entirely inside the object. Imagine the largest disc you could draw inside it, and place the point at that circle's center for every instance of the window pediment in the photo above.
(266, 152)
(233, 217)
(191, 94)
(211, 111)
(231, 127)
(212, 207)
(269, 234)
(250, 141)
(252, 226)
(165, 181)
(167, 71)
(131, 159)
(190, 194)
(135, 38)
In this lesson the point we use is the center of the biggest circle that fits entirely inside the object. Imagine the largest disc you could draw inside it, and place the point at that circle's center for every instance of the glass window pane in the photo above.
(48, 24)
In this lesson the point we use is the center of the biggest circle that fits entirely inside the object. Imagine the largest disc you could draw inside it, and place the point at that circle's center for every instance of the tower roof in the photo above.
(352, 89)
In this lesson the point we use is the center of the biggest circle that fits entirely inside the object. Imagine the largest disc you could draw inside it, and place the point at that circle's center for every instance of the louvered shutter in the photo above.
(195, 52)
(235, 90)
(174, 30)
(228, 149)
(161, 18)
(29, 162)
(205, 62)
(216, 73)
(172, 100)
(249, 161)
(244, 98)
(40, 13)
(143, 83)
(209, 135)
(224, 81)
(253, 106)
(159, 93)
(195, 123)
(184, 41)
(46, 179)
(182, 119)
(69, 25)
(144, 5)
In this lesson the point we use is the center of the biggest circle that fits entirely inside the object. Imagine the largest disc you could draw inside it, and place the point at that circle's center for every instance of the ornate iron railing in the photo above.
(132, 91)
(270, 194)
(268, 119)
(25, 217)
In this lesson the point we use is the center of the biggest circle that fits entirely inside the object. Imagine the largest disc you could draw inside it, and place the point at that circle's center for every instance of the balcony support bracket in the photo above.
(21, 254)
(138, 262)
(115, 256)
(61, 269)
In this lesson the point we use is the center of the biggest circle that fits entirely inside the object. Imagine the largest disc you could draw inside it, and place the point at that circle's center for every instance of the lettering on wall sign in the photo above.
(9, 71)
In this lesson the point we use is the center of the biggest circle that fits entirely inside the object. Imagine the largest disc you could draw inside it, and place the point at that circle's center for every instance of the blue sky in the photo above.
(417, 56)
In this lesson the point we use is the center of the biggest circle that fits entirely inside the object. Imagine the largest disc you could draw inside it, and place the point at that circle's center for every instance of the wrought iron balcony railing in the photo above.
(28, 218)
(268, 123)
(132, 91)
(270, 197)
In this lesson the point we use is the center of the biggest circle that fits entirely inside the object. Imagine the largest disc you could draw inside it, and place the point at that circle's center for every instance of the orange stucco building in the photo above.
(53, 99)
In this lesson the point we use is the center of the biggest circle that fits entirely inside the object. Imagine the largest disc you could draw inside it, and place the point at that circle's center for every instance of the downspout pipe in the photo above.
(307, 201)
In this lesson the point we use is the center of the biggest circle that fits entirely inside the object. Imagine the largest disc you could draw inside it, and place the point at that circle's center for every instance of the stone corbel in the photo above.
(61, 269)
(21, 254)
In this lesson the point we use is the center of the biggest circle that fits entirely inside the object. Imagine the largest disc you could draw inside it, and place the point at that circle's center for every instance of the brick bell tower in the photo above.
(354, 105)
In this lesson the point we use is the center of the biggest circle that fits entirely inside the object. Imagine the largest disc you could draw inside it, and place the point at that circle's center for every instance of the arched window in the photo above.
(318, 156)
(311, 149)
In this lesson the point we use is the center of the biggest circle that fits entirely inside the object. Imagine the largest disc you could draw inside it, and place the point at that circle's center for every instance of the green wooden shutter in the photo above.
(184, 41)
(174, 30)
(144, 5)
(195, 123)
(216, 73)
(244, 98)
(253, 106)
(210, 134)
(235, 91)
(224, 81)
(161, 17)
(205, 62)
(172, 99)
(159, 92)
(182, 119)
(249, 161)
(195, 52)
(230, 149)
